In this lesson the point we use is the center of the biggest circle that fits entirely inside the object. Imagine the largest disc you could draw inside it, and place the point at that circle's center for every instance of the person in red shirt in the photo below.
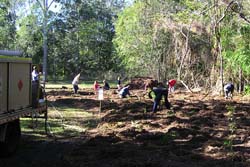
(171, 84)
(96, 86)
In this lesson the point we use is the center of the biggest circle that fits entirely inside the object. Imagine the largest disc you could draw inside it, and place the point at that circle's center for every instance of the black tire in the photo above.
(12, 139)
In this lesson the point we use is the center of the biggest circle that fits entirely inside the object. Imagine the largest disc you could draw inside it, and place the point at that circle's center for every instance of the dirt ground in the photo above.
(200, 130)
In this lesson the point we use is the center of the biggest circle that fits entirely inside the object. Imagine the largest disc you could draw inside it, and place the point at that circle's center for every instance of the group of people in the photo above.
(155, 90)
(96, 85)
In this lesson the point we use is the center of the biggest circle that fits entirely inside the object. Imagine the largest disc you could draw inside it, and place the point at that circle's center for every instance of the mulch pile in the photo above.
(139, 82)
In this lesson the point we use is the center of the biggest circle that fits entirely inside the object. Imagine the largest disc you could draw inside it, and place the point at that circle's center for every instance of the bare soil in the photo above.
(194, 133)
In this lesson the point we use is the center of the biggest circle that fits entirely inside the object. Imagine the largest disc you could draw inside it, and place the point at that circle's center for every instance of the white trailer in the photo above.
(15, 98)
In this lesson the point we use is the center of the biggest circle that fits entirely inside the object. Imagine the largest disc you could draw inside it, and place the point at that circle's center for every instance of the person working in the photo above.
(171, 84)
(105, 85)
(96, 87)
(35, 75)
(75, 83)
(228, 90)
(37, 92)
(157, 93)
(124, 92)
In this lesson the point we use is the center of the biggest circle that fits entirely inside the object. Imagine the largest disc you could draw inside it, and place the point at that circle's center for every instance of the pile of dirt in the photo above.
(139, 82)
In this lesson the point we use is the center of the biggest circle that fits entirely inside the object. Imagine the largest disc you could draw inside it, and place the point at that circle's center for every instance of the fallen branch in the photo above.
(205, 95)
(186, 86)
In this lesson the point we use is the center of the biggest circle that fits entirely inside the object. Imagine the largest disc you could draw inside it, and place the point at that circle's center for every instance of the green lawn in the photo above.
(62, 122)
(83, 84)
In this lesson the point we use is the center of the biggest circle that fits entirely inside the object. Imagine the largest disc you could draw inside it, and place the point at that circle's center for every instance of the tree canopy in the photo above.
(200, 42)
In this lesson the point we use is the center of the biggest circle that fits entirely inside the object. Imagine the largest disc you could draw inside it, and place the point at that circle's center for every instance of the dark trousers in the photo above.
(35, 87)
(75, 88)
(160, 92)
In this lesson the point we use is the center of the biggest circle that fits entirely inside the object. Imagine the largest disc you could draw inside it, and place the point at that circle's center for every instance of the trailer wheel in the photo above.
(12, 138)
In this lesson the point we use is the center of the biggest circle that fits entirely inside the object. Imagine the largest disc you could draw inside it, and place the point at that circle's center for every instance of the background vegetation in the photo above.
(205, 43)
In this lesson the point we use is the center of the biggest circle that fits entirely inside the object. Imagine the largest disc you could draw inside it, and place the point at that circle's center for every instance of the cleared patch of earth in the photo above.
(196, 132)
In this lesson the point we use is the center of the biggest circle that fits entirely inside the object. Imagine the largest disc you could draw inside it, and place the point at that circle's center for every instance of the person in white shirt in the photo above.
(35, 74)
(124, 92)
(75, 83)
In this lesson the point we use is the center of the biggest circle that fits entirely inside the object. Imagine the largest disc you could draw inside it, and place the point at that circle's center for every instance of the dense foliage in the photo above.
(203, 43)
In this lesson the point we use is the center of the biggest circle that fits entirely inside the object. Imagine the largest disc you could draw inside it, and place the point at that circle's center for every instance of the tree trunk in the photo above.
(240, 80)
(221, 66)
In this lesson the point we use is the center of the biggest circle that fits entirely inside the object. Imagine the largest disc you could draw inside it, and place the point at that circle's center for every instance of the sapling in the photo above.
(232, 127)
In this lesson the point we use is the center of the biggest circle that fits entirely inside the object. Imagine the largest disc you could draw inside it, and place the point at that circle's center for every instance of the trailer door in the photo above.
(3, 87)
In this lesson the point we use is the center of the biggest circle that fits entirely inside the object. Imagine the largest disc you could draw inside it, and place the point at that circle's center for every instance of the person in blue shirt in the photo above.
(229, 89)
(124, 92)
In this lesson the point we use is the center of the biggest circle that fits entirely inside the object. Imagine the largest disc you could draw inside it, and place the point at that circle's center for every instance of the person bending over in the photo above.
(228, 90)
(106, 85)
(75, 83)
(157, 93)
(124, 92)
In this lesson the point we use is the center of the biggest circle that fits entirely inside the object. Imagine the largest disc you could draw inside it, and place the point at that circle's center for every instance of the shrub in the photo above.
(247, 90)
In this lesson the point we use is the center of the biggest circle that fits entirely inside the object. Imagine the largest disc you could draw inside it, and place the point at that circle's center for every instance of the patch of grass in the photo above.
(62, 122)
(247, 90)
(171, 113)
(170, 136)
(83, 84)
(70, 112)
(232, 127)
(34, 127)
(192, 112)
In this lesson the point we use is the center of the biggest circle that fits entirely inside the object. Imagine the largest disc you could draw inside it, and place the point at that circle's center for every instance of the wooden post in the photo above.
(100, 98)
(100, 109)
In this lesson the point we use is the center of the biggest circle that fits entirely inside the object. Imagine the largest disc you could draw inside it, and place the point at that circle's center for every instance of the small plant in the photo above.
(171, 113)
(232, 127)
(192, 112)
(228, 144)
(247, 90)
(166, 138)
